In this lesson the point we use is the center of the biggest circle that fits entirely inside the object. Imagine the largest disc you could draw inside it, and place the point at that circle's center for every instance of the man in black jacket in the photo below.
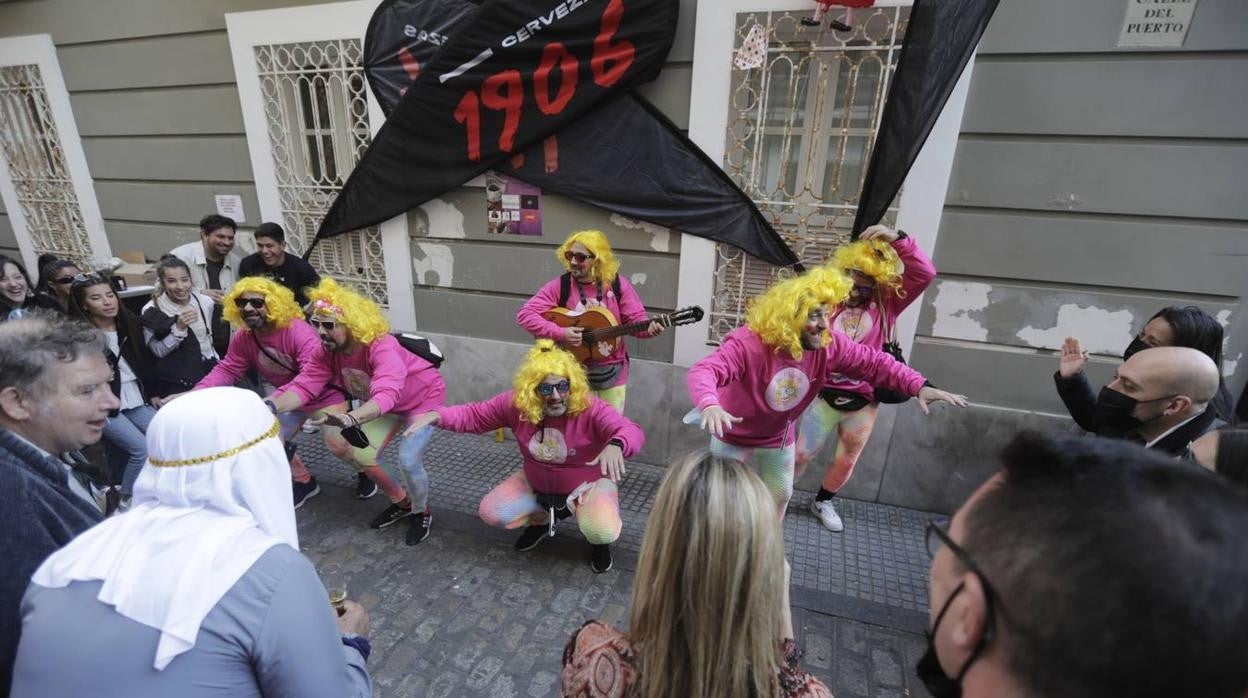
(1160, 398)
(54, 399)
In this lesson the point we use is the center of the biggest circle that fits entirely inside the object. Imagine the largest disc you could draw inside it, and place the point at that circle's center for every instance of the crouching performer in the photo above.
(573, 445)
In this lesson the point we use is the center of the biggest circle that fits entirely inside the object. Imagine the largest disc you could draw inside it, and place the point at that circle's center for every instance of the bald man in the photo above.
(1160, 397)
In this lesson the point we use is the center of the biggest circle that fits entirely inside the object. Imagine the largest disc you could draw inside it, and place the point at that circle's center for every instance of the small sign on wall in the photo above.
(1156, 23)
(230, 206)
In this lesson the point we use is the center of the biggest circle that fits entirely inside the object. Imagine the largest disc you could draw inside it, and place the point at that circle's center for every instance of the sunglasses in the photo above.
(256, 303)
(64, 280)
(577, 257)
(548, 389)
(328, 325)
(864, 290)
(87, 279)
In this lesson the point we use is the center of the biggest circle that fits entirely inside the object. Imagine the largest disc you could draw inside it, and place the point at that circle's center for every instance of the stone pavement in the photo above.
(463, 614)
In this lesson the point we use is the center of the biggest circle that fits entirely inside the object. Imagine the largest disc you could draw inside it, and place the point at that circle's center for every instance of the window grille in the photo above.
(316, 111)
(800, 132)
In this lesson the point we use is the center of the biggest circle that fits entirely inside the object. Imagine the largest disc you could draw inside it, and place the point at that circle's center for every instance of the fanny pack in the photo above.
(603, 376)
(844, 400)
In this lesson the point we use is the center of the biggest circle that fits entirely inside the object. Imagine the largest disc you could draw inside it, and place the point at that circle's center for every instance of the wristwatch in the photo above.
(271, 405)
(617, 443)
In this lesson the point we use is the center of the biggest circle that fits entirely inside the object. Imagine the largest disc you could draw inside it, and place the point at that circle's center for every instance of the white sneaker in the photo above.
(310, 428)
(827, 515)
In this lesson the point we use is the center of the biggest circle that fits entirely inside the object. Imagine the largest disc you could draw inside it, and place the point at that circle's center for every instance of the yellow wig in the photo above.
(779, 314)
(362, 316)
(605, 264)
(278, 299)
(874, 258)
(546, 359)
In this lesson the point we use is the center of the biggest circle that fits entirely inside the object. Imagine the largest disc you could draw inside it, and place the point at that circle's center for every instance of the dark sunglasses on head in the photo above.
(87, 279)
(256, 303)
(329, 325)
(64, 280)
(548, 389)
(577, 257)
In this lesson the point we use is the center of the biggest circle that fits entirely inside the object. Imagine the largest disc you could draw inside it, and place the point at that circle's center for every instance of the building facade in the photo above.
(1072, 187)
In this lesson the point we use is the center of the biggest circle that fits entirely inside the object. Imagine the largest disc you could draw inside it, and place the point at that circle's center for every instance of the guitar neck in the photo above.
(621, 330)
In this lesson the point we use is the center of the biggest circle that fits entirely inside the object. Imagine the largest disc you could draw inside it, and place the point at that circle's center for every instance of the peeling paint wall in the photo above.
(958, 310)
(1100, 331)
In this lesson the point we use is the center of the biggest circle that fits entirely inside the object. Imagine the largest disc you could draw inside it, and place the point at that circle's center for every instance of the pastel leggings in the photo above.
(852, 431)
(513, 503)
(291, 422)
(775, 467)
(613, 396)
(380, 432)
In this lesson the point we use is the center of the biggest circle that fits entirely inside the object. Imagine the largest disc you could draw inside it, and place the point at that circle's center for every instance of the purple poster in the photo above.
(512, 207)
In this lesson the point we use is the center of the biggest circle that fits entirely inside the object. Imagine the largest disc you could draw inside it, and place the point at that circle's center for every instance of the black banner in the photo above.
(624, 155)
(517, 72)
(940, 38)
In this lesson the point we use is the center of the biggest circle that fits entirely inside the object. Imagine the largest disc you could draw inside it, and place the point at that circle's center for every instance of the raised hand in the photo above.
(716, 420)
(185, 318)
(929, 395)
(1074, 358)
(883, 232)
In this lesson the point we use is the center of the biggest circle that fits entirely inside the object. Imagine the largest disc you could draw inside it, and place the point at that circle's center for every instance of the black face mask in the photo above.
(1113, 411)
(928, 668)
(1136, 346)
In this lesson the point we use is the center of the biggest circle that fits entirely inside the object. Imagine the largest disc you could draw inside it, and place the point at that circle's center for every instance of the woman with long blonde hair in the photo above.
(710, 608)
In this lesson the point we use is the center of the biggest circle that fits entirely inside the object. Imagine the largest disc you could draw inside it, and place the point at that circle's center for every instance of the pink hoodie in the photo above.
(557, 454)
(626, 309)
(867, 326)
(769, 390)
(384, 372)
(294, 346)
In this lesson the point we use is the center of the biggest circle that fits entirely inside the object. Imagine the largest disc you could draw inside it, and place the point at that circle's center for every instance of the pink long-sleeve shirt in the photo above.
(769, 390)
(556, 451)
(384, 372)
(868, 325)
(627, 309)
(294, 346)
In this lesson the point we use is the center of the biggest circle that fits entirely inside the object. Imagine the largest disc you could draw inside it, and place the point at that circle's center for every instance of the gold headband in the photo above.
(272, 432)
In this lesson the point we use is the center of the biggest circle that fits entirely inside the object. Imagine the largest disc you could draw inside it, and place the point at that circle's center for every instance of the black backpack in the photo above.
(421, 346)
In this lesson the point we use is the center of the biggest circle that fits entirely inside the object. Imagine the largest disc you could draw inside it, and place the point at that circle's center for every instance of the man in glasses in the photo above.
(573, 446)
(592, 280)
(273, 339)
(365, 363)
(1090, 567)
(751, 391)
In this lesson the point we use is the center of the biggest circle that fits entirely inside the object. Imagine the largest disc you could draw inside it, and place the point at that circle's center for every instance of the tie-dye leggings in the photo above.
(513, 503)
(613, 396)
(411, 465)
(852, 431)
(775, 467)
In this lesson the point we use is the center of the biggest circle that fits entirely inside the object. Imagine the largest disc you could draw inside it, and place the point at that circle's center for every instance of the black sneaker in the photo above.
(810, 22)
(600, 558)
(390, 516)
(305, 491)
(418, 527)
(364, 488)
(531, 537)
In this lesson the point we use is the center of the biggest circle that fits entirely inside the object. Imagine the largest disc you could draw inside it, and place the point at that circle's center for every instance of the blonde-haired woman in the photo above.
(591, 280)
(572, 443)
(712, 551)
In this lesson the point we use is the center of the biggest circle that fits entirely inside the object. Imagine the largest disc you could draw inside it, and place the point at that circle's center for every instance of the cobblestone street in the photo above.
(464, 614)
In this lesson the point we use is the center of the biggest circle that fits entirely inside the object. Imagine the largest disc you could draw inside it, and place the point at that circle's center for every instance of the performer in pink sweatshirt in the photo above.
(272, 338)
(751, 391)
(572, 443)
(361, 358)
(592, 280)
(889, 272)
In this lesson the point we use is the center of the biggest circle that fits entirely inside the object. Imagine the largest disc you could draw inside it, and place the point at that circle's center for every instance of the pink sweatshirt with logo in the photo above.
(384, 372)
(769, 390)
(868, 325)
(627, 309)
(294, 347)
(557, 451)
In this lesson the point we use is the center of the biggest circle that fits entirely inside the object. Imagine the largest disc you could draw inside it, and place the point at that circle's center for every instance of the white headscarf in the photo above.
(194, 528)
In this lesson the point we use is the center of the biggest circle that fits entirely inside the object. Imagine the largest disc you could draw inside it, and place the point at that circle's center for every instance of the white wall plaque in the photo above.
(1156, 23)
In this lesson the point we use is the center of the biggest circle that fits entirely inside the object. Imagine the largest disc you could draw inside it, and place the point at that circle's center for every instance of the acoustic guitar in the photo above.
(601, 332)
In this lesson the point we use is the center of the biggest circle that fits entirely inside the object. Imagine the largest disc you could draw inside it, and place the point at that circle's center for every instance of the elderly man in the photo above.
(54, 398)
(1090, 567)
(1160, 397)
(212, 597)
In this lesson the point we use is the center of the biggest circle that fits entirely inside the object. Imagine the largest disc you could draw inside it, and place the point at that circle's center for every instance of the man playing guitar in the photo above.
(591, 280)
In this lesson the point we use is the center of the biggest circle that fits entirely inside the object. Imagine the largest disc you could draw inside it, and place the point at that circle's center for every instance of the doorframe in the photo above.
(922, 198)
(339, 20)
(39, 50)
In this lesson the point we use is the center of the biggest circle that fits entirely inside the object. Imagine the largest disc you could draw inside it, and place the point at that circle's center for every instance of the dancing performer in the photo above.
(592, 280)
(273, 339)
(573, 445)
(889, 271)
(395, 385)
(754, 387)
